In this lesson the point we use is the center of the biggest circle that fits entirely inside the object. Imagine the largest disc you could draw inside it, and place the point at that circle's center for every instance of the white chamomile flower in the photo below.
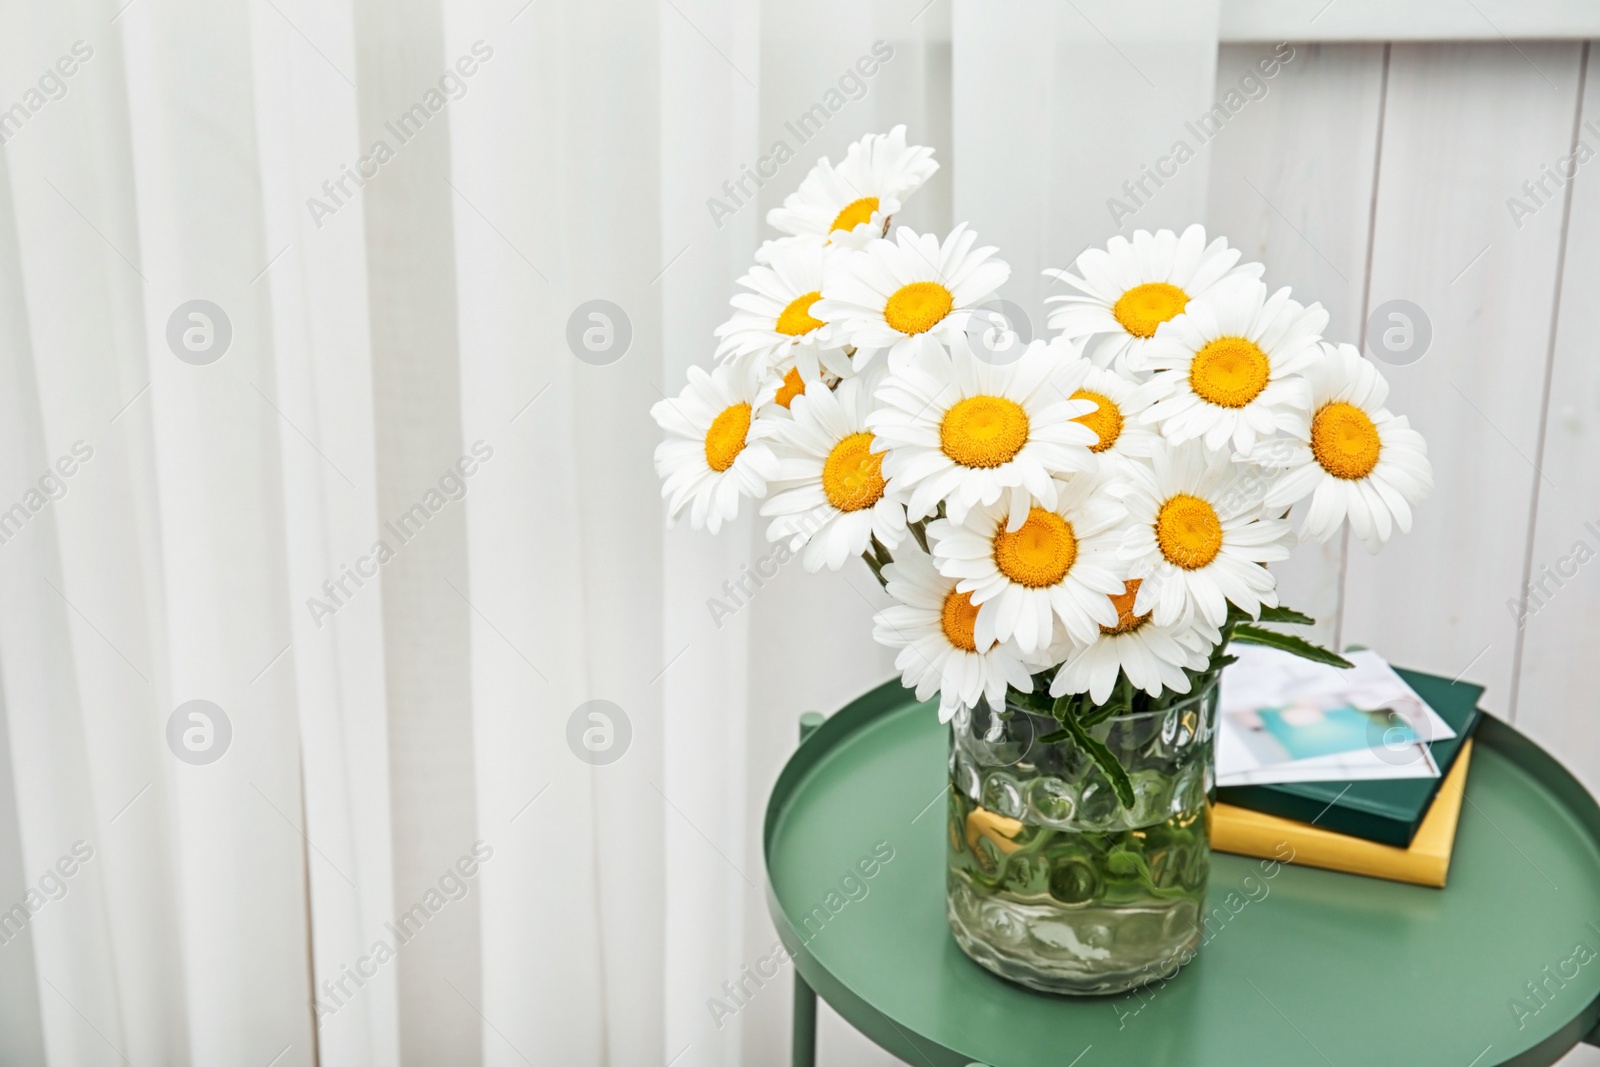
(1353, 457)
(833, 501)
(1196, 539)
(1059, 562)
(1128, 289)
(1115, 420)
(1228, 368)
(852, 203)
(711, 456)
(933, 626)
(772, 324)
(961, 431)
(908, 294)
(1153, 657)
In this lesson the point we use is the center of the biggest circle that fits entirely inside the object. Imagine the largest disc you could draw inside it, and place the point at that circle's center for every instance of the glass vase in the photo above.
(1051, 881)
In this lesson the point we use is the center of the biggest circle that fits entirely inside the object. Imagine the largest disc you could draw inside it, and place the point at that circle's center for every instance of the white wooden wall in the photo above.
(1374, 172)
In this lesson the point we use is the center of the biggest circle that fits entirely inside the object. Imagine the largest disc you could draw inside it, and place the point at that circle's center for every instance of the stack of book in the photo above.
(1394, 812)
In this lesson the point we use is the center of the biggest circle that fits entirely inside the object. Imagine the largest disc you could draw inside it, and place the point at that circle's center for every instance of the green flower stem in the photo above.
(875, 567)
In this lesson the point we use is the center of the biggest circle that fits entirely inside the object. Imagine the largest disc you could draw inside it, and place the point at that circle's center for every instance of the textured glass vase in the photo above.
(1051, 881)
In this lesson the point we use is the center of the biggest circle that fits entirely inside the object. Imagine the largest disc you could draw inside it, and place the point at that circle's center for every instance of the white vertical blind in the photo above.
(525, 192)
(216, 609)
(307, 132)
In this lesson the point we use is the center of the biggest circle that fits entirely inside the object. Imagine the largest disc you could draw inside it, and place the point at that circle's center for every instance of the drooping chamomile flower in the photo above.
(1153, 656)
(712, 455)
(912, 293)
(832, 500)
(1197, 540)
(934, 627)
(852, 203)
(1059, 562)
(961, 431)
(1128, 289)
(1354, 458)
(1228, 368)
(772, 325)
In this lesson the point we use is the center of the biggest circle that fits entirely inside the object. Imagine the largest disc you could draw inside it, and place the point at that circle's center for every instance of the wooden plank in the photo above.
(1465, 125)
(1291, 185)
(1414, 20)
(1554, 696)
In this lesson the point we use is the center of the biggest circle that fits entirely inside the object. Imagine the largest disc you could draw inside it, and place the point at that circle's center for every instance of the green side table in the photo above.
(1501, 967)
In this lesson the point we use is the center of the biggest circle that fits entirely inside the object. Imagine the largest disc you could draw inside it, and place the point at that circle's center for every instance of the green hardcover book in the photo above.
(1389, 810)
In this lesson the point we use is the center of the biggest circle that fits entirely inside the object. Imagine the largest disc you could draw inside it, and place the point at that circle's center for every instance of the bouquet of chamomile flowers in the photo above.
(1085, 521)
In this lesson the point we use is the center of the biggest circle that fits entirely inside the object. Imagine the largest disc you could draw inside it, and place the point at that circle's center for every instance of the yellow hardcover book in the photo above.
(1426, 862)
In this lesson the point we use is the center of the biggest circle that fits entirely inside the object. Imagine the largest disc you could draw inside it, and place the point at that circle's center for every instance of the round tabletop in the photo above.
(1500, 967)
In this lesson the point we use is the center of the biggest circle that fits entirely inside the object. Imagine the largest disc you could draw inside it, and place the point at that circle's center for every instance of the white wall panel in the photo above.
(1291, 185)
(1413, 20)
(1465, 126)
(1555, 695)
(1058, 111)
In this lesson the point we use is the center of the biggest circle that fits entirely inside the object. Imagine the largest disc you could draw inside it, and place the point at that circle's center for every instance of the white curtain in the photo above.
(397, 531)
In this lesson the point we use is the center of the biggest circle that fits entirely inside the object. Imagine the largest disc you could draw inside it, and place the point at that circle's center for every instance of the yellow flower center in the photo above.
(1229, 372)
(792, 387)
(1345, 441)
(1189, 532)
(1127, 621)
(1040, 553)
(796, 318)
(851, 475)
(983, 431)
(855, 213)
(725, 439)
(918, 307)
(1105, 420)
(957, 619)
(1144, 307)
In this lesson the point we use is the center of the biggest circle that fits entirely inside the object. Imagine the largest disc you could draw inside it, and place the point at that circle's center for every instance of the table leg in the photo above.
(809, 721)
(805, 1024)
(805, 998)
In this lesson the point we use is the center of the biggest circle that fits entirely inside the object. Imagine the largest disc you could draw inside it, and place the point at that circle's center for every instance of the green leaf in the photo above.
(1286, 615)
(1096, 715)
(1073, 711)
(1254, 635)
(1104, 759)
